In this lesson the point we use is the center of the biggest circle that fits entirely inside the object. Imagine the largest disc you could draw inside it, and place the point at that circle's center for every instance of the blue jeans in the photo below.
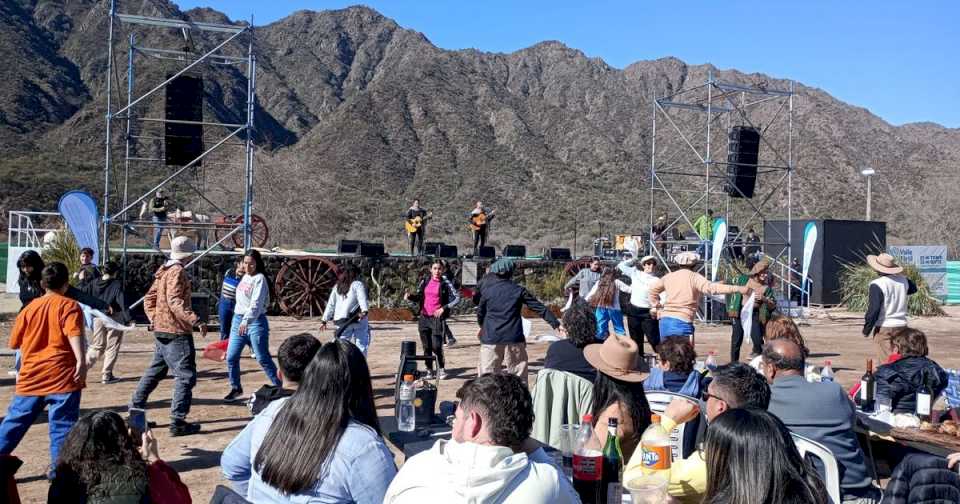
(258, 337)
(225, 314)
(63, 410)
(605, 315)
(670, 326)
(176, 353)
(157, 230)
(358, 333)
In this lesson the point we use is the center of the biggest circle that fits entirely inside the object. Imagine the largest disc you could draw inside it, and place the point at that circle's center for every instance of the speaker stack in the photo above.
(743, 151)
(184, 102)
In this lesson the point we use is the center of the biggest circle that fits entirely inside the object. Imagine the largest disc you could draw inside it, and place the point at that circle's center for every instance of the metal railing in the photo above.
(22, 232)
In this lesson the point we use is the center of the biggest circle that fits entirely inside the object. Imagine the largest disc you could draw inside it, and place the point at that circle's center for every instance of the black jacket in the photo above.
(499, 303)
(448, 296)
(30, 290)
(901, 380)
(922, 479)
(110, 292)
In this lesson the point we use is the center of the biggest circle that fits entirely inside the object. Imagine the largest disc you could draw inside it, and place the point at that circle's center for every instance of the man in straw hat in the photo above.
(639, 320)
(763, 307)
(499, 301)
(684, 288)
(887, 310)
(167, 305)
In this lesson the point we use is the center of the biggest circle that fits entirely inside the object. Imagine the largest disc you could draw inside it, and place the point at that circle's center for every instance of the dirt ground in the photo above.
(833, 335)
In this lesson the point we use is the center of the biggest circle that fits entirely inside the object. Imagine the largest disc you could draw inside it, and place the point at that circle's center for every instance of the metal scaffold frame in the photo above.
(237, 35)
(699, 182)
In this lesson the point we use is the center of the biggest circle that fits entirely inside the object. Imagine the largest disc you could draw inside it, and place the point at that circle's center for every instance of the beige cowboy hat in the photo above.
(617, 357)
(761, 266)
(884, 263)
(686, 258)
(646, 259)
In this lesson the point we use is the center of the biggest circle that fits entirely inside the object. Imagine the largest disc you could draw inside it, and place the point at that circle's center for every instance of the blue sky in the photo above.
(898, 59)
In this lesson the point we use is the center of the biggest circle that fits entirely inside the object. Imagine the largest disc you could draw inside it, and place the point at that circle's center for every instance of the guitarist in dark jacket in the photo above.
(435, 297)
(416, 217)
(479, 218)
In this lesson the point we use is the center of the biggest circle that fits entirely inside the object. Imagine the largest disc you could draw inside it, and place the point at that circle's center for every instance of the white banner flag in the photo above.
(746, 316)
(719, 238)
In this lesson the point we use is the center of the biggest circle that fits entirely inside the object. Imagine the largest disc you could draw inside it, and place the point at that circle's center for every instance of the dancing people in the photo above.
(250, 326)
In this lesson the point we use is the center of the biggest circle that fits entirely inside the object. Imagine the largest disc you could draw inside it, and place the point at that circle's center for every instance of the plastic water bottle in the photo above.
(826, 374)
(711, 362)
(406, 417)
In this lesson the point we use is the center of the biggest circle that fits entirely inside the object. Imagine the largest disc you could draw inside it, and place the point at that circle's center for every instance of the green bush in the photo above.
(855, 288)
(63, 249)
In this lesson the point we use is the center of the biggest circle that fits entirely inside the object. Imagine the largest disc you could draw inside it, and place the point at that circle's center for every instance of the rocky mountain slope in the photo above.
(356, 116)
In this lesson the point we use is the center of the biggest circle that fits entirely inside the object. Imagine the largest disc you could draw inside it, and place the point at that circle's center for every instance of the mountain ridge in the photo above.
(357, 115)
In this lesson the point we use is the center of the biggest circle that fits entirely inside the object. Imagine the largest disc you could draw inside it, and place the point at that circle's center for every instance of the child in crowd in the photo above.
(228, 298)
(110, 290)
(605, 296)
(49, 334)
(88, 273)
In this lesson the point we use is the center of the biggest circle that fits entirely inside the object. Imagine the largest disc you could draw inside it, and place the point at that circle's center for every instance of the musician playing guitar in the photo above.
(480, 218)
(416, 217)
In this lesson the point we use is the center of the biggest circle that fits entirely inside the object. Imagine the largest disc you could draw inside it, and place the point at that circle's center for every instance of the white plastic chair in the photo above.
(659, 400)
(810, 447)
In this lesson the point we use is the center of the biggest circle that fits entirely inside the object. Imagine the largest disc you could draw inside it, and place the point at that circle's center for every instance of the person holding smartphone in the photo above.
(105, 458)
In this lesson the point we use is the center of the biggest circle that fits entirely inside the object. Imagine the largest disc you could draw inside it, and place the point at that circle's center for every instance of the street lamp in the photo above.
(869, 173)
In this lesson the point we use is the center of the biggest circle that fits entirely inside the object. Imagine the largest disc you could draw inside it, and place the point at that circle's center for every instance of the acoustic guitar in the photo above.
(413, 225)
(480, 220)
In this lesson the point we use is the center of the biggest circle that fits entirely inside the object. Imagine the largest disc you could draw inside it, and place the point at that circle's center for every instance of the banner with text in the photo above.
(931, 260)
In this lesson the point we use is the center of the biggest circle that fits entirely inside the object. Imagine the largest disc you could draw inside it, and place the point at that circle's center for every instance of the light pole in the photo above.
(869, 173)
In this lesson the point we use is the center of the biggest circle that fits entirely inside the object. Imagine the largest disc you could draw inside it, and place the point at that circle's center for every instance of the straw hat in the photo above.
(761, 266)
(617, 358)
(646, 259)
(181, 248)
(884, 263)
(687, 258)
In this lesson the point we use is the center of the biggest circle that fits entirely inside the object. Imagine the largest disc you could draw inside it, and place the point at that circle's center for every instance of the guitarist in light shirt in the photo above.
(480, 218)
(416, 217)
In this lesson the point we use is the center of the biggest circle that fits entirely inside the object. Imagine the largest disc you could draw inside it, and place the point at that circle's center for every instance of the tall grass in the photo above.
(63, 249)
(855, 288)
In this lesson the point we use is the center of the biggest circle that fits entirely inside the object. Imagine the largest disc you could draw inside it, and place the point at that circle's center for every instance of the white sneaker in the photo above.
(441, 374)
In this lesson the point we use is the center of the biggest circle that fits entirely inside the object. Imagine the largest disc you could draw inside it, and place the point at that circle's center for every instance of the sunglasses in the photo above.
(705, 396)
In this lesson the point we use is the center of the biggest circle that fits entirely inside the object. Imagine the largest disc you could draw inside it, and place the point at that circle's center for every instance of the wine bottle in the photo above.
(612, 466)
(924, 398)
(868, 388)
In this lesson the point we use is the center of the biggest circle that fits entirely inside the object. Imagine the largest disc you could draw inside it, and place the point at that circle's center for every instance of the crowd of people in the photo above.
(316, 436)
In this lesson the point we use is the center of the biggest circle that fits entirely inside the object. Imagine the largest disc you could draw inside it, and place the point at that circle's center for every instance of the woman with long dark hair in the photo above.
(435, 297)
(348, 307)
(250, 325)
(30, 265)
(618, 392)
(100, 462)
(752, 459)
(324, 441)
(605, 296)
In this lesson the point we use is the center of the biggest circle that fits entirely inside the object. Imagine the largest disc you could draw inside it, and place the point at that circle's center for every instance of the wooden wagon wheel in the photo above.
(304, 284)
(573, 267)
(260, 233)
(223, 224)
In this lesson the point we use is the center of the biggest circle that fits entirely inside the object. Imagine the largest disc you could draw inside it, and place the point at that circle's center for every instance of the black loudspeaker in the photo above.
(515, 251)
(348, 247)
(184, 102)
(447, 251)
(487, 252)
(743, 150)
(432, 248)
(370, 249)
(558, 254)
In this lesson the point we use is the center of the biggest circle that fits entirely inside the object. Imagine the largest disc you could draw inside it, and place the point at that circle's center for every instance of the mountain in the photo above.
(356, 116)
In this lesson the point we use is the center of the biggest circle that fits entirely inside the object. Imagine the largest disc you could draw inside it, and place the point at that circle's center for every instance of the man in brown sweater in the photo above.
(684, 288)
(167, 305)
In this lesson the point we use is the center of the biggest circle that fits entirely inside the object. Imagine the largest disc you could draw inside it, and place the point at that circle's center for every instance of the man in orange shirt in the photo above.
(49, 334)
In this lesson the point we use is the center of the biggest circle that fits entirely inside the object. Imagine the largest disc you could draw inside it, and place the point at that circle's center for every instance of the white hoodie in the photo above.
(479, 474)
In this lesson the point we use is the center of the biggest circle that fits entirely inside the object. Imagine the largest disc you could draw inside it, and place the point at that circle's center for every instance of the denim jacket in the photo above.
(359, 471)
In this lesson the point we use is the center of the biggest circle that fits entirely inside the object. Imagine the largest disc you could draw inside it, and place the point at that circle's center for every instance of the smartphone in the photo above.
(137, 419)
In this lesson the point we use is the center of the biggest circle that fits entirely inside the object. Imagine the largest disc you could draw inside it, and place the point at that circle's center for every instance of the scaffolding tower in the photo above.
(232, 47)
(689, 170)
